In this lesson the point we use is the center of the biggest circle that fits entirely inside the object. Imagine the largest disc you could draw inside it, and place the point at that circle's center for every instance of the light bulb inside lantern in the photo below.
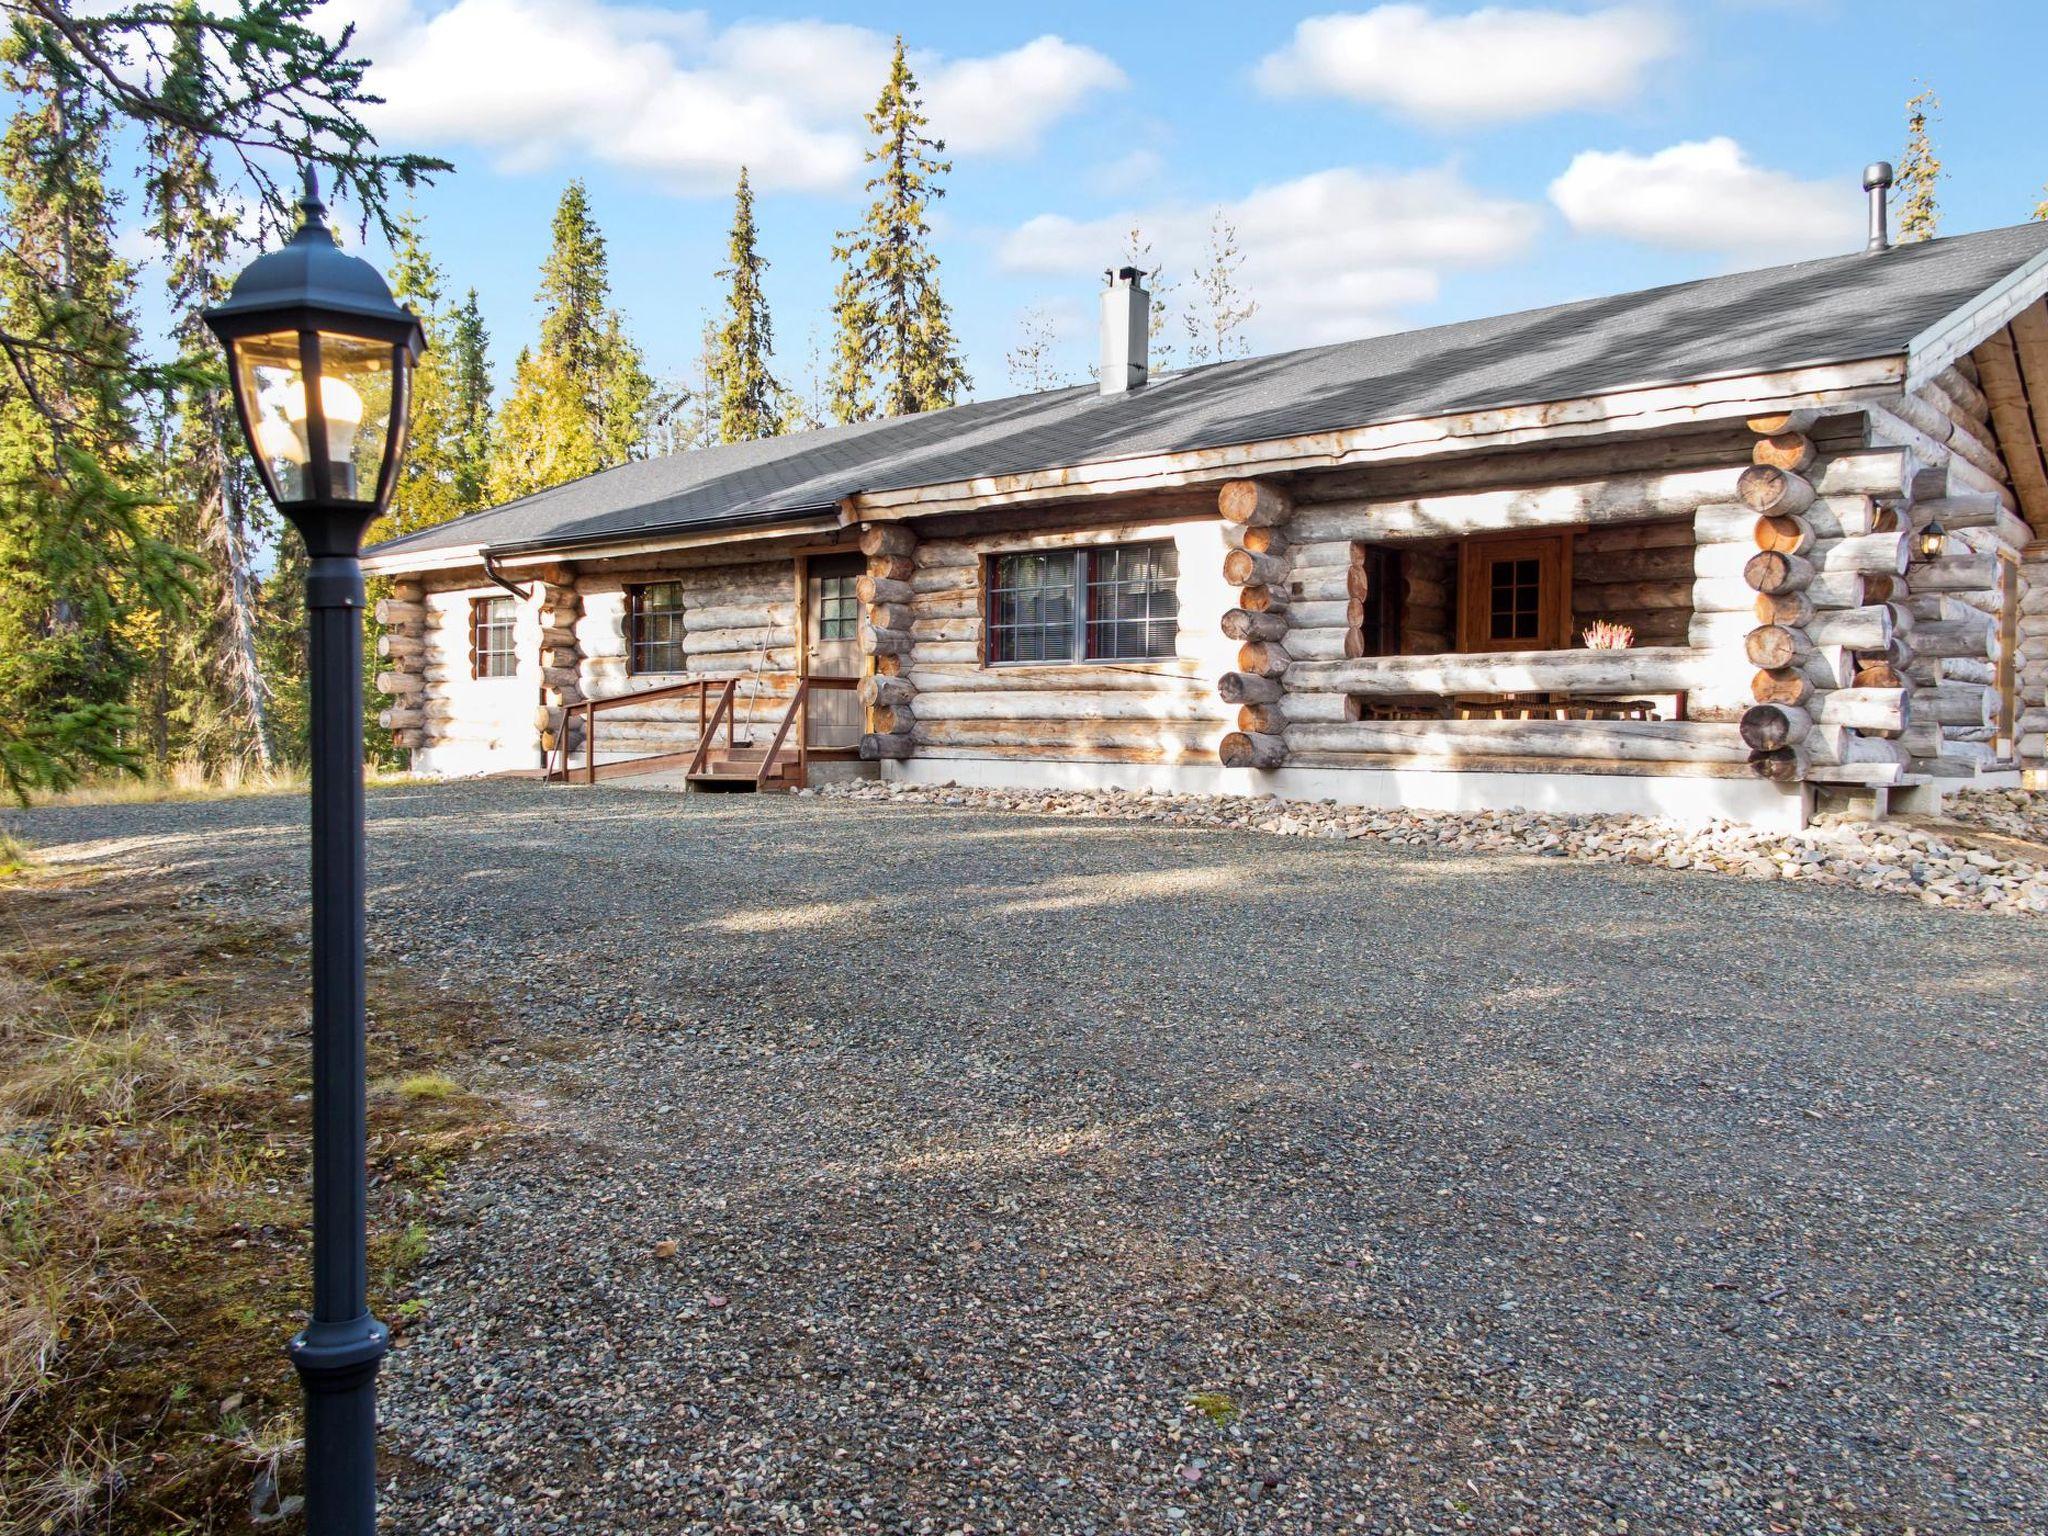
(342, 407)
(281, 442)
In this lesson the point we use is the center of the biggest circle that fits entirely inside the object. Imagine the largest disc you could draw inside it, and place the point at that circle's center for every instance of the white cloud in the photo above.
(670, 94)
(1329, 257)
(1491, 65)
(1707, 196)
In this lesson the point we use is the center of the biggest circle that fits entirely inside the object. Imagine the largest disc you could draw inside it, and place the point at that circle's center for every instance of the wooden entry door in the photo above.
(832, 647)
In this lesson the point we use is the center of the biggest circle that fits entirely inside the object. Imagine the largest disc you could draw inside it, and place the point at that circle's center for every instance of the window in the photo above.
(654, 627)
(490, 637)
(1513, 596)
(1113, 604)
(838, 607)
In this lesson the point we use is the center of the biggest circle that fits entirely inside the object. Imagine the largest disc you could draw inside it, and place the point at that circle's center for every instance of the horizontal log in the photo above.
(397, 683)
(697, 642)
(1771, 572)
(393, 645)
(1072, 677)
(1955, 572)
(1767, 727)
(394, 613)
(1793, 451)
(1028, 705)
(1240, 625)
(1240, 749)
(1326, 583)
(1243, 568)
(1954, 704)
(1793, 609)
(887, 539)
(1260, 598)
(781, 613)
(879, 589)
(1253, 503)
(1883, 554)
(1770, 491)
(1338, 613)
(1858, 629)
(877, 748)
(1245, 688)
(884, 642)
(1596, 598)
(1877, 710)
(1638, 670)
(1963, 636)
(1787, 765)
(876, 691)
(1618, 498)
(1786, 535)
(1627, 538)
(1618, 740)
(1329, 644)
(1780, 686)
(1178, 736)
(1262, 658)
(400, 719)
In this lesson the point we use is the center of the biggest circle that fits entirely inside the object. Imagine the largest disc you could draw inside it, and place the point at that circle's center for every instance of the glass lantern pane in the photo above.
(355, 389)
(272, 387)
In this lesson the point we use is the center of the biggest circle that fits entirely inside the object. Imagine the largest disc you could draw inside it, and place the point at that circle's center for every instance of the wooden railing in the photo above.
(711, 719)
(557, 764)
(800, 711)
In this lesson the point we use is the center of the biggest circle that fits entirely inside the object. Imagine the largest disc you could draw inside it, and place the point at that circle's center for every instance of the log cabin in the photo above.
(1812, 499)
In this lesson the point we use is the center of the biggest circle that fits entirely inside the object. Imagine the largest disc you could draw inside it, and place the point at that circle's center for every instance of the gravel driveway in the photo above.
(1039, 1175)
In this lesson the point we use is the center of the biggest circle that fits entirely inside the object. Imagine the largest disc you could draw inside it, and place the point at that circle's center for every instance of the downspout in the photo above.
(491, 571)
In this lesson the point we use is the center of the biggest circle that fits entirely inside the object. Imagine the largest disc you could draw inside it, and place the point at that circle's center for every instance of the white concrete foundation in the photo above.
(1691, 801)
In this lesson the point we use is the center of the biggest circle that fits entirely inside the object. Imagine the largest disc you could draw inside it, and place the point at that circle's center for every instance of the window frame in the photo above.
(1477, 557)
(636, 643)
(1083, 587)
(481, 652)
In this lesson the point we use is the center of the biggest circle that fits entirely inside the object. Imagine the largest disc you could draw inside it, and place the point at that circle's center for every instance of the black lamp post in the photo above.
(320, 360)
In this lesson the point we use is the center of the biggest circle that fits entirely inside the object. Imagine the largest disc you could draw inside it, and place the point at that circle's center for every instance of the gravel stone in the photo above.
(1090, 1171)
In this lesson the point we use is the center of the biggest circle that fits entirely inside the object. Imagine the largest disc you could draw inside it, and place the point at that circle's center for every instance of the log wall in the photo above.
(1968, 605)
(401, 661)
(470, 724)
(739, 620)
(1163, 711)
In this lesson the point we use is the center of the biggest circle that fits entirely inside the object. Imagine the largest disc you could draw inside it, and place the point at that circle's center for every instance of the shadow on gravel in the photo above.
(1077, 1177)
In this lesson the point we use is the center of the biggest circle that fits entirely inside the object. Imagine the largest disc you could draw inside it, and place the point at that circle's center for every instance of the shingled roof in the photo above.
(1835, 310)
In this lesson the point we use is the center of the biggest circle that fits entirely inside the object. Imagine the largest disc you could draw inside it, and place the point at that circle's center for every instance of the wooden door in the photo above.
(1514, 593)
(832, 646)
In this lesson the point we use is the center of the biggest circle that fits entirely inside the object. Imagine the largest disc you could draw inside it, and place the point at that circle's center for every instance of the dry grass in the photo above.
(191, 781)
(153, 1221)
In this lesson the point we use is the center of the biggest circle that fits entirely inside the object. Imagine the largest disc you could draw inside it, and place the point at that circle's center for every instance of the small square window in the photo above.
(838, 608)
(654, 619)
(491, 624)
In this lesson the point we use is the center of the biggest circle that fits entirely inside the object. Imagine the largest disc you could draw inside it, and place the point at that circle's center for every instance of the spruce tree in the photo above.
(749, 399)
(1919, 171)
(78, 557)
(429, 490)
(209, 482)
(469, 377)
(579, 399)
(87, 574)
(896, 352)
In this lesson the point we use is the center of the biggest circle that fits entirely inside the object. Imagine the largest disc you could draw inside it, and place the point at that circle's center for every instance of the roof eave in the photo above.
(1963, 328)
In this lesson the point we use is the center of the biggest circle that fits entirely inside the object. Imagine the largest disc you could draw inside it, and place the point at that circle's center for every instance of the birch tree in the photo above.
(1919, 218)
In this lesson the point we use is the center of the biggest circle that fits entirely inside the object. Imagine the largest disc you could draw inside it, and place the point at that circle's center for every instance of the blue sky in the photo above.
(1386, 166)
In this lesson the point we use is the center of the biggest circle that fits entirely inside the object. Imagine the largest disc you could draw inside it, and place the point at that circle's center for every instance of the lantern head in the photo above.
(320, 361)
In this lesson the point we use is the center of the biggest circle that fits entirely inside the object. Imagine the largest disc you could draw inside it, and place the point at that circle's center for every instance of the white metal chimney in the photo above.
(1126, 329)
